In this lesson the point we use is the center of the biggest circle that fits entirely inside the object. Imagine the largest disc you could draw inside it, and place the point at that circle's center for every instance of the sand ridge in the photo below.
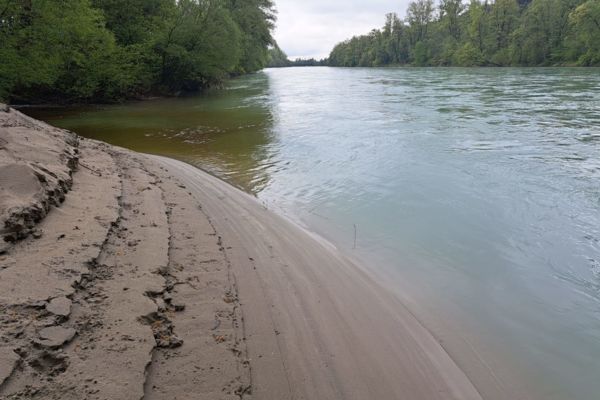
(36, 166)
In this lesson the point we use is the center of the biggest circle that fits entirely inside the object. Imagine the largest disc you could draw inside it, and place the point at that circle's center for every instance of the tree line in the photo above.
(108, 50)
(278, 59)
(481, 33)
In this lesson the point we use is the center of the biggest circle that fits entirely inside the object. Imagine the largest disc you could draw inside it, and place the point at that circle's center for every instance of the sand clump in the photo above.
(36, 167)
(60, 306)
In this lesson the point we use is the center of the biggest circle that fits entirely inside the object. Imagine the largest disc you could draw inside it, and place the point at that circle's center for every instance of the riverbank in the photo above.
(129, 276)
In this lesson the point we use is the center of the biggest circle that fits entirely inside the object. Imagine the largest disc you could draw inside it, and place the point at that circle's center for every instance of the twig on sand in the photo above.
(90, 169)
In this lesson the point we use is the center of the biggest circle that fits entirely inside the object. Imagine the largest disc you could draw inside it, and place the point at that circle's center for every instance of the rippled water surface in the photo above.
(474, 195)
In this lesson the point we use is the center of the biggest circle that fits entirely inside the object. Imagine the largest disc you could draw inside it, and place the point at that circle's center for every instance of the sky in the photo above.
(310, 28)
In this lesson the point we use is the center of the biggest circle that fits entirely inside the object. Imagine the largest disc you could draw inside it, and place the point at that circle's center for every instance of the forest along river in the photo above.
(475, 194)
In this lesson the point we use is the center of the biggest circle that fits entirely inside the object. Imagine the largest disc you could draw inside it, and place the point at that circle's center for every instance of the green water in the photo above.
(475, 194)
(222, 131)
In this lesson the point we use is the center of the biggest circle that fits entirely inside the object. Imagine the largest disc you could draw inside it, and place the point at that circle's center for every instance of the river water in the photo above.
(473, 194)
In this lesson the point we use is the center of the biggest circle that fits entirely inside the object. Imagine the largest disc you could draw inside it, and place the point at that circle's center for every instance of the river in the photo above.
(473, 194)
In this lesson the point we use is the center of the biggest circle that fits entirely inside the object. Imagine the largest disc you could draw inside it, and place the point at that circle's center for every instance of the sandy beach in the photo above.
(130, 276)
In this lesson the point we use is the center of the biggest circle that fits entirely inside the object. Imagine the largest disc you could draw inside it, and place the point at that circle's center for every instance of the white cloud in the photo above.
(310, 28)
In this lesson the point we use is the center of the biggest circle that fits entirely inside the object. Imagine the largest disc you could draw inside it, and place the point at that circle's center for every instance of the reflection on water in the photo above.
(476, 193)
(226, 132)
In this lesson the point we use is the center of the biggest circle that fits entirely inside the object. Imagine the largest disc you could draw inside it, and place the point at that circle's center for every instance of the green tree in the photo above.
(107, 50)
(421, 54)
(504, 17)
(277, 58)
(477, 28)
(256, 19)
(419, 15)
(450, 12)
(56, 52)
(135, 21)
(468, 56)
(540, 38)
(200, 47)
(585, 20)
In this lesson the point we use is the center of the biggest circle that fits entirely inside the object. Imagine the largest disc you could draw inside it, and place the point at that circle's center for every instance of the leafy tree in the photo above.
(585, 21)
(395, 41)
(308, 62)
(504, 17)
(450, 13)
(56, 51)
(190, 56)
(135, 21)
(476, 25)
(277, 58)
(107, 50)
(421, 54)
(468, 56)
(540, 39)
(419, 15)
(256, 19)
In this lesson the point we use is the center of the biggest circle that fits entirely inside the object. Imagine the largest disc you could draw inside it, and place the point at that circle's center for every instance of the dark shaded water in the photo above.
(475, 193)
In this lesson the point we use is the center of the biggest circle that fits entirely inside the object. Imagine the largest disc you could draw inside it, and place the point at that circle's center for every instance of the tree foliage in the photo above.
(586, 22)
(106, 50)
(481, 33)
(277, 58)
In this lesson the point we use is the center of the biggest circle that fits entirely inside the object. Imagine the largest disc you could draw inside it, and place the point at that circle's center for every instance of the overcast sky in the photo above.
(310, 28)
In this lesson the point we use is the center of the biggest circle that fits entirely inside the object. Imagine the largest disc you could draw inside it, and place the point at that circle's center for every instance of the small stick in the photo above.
(90, 169)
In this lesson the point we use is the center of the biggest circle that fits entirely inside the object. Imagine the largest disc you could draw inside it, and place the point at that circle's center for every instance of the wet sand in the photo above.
(133, 276)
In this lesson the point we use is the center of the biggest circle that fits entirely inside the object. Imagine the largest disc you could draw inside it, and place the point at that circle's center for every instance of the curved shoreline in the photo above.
(332, 305)
(182, 283)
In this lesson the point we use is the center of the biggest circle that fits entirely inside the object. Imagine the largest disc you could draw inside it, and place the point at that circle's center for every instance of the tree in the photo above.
(419, 15)
(56, 51)
(585, 20)
(544, 26)
(277, 58)
(135, 21)
(107, 50)
(200, 47)
(421, 54)
(256, 19)
(476, 25)
(504, 16)
(450, 12)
